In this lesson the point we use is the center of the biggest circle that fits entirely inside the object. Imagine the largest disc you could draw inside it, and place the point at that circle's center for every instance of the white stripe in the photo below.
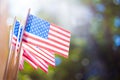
(14, 41)
(46, 69)
(47, 52)
(59, 40)
(41, 52)
(29, 55)
(14, 37)
(37, 62)
(30, 62)
(59, 35)
(53, 63)
(57, 29)
(43, 66)
(37, 54)
(41, 61)
(48, 41)
(45, 45)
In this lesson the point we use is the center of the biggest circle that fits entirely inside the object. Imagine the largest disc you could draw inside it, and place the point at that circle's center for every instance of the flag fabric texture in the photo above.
(36, 59)
(40, 63)
(40, 41)
(47, 36)
(48, 57)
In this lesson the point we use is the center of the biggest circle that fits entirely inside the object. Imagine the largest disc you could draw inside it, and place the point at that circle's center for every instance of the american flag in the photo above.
(19, 38)
(18, 43)
(39, 62)
(34, 61)
(14, 40)
(15, 32)
(47, 36)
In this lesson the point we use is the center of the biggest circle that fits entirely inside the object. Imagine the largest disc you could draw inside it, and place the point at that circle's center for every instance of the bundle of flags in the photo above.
(38, 41)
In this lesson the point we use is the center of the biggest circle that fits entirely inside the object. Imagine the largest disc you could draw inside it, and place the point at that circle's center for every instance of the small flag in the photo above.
(15, 32)
(47, 36)
(34, 61)
(40, 40)
(19, 39)
(17, 53)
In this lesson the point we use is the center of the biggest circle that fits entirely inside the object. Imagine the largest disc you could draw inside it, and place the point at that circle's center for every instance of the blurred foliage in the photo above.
(93, 55)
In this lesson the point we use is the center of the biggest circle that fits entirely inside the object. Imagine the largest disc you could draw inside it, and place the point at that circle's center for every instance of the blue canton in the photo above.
(20, 35)
(16, 28)
(37, 26)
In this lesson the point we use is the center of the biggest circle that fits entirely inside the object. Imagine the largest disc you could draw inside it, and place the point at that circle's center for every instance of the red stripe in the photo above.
(29, 58)
(14, 44)
(15, 38)
(58, 42)
(60, 28)
(60, 33)
(58, 37)
(50, 64)
(29, 62)
(51, 60)
(48, 54)
(45, 42)
(43, 68)
(39, 52)
(32, 53)
(45, 59)
(62, 54)
(37, 64)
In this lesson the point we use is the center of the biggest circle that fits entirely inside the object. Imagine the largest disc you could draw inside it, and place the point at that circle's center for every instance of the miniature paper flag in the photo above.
(47, 36)
(17, 37)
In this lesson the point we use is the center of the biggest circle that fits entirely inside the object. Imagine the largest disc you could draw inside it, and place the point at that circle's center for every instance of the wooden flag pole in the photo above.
(12, 30)
(11, 49)
(13, 63)
(20, 54)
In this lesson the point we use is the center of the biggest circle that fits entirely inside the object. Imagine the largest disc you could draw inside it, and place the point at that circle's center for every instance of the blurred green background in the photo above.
(95, 42)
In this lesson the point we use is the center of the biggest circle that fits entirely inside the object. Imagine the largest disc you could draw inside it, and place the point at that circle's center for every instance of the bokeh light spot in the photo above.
(79, 76)
(99, 17)
(58, 61)
(117, 2)
(117, 40)
(100, 7)
(85, 62)
(117, 22)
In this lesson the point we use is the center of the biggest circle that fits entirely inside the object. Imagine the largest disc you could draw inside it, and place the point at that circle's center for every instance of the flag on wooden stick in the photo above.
(38, 41)
(47, 36)
(15, 32)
